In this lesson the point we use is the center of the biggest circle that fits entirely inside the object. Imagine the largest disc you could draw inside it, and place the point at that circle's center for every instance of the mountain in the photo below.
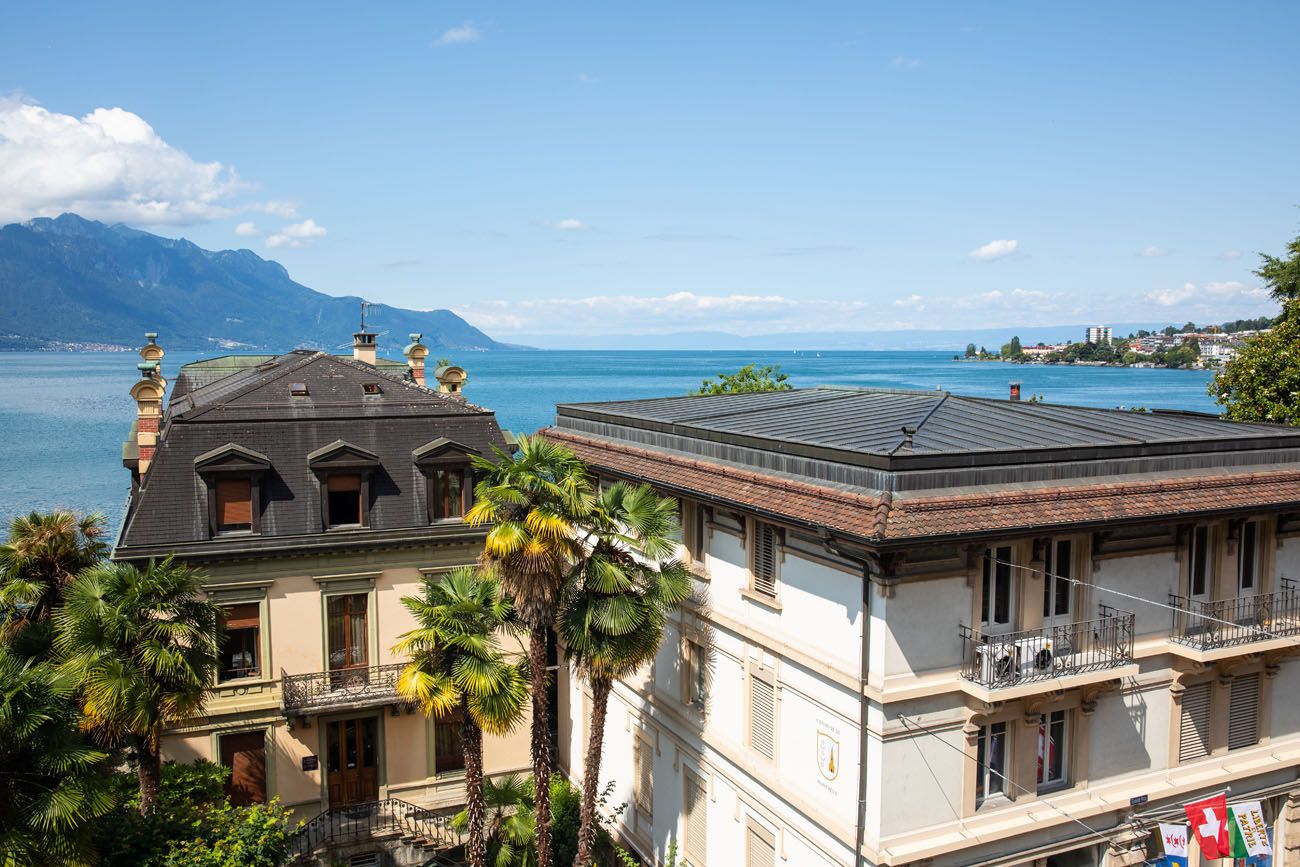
(72, 281)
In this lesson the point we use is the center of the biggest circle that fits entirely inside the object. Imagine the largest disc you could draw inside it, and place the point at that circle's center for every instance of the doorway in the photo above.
(352, 761)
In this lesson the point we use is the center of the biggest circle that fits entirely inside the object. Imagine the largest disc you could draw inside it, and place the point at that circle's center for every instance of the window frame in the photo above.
(1249, 551)
(994, 568)
(1056, 589)
(257, 669)
(1047, 721)
(232, 462)
(363, 496)
(449, 722)
(755, 530)
(434, 498)
(643, 751)
(984, 773)
(766, 676)
(1200, 563)
(695, 673)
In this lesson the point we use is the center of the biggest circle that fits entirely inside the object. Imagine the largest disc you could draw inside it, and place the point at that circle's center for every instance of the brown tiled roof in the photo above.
(881, 518)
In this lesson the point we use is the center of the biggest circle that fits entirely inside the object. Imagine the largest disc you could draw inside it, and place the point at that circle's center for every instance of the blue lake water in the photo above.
(63, 416)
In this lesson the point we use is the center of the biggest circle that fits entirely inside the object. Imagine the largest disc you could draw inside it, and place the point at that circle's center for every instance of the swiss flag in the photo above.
(1209, 820)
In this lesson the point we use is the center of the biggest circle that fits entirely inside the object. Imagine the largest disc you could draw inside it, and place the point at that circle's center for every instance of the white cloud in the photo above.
(466, 32)
(901, 62)
(277, 208)
(994, 250)
(1204, 293)
(247, 229)
(567, 225)
(1153, 252)
(302, 234)
(106, 165)
(913, 302)
(1230, 255)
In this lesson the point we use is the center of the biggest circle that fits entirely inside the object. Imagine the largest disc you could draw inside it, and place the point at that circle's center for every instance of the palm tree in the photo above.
(143, 647)
(53, 784)
(42, 555)
(532, 499)
(614, 612)
(511, 821)
(457, 668)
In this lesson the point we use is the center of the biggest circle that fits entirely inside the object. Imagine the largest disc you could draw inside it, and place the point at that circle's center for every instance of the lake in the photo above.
(64, 415)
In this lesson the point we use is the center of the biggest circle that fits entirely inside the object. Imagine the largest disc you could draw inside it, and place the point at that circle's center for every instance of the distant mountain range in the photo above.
(75, 283)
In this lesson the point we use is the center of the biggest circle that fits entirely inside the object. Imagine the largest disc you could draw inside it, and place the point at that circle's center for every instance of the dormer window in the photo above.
(344, 471)
(371, 388)
(343, 491)
(298, 389)
(233, 476)
(234, 506)
(449, 479)
(447, 491)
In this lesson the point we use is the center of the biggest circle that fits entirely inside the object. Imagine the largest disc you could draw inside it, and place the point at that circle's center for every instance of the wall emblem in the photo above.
(828, 755)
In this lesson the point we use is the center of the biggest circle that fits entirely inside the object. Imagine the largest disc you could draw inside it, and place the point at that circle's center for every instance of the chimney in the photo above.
(148, 394)
(1015, 391)
(363, 347)
(908, 433)
(451, 379)
(151, 351)
(415, 353)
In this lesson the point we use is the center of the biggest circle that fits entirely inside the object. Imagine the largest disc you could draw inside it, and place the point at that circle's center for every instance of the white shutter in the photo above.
(697, 819)
(1194, 726)
(764, 559)
(762, 715)
(760, 848)
(1243, 712)
(644, 797)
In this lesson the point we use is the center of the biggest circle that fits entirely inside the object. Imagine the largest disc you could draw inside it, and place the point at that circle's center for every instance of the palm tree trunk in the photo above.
(149, 762)
(541, 743)
(471, 741)
(600, 688)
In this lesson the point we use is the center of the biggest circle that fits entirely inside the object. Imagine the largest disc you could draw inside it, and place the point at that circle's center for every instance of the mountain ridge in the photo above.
(68, 281)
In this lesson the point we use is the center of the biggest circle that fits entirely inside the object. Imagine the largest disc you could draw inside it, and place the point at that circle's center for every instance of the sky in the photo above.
(552, 171)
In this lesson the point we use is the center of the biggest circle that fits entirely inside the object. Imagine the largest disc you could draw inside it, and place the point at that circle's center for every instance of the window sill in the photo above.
(242, 682)
(222, 534)
(993, 802)
(449, 776)
(762, 599)
(343, 527)
(698, 569)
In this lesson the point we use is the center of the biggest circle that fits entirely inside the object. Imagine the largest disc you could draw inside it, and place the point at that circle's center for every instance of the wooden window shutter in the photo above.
(234, 502)
(1243, 712)
(245, 616)
(1194, 725)
(645, 781)
(764, 558)
(762, 716)
(697, 819)
(343, 482)
(760, 846)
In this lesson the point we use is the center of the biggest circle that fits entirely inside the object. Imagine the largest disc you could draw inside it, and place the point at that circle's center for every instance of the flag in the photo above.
(1248, 830)
(1209, 818)
(1174, 840)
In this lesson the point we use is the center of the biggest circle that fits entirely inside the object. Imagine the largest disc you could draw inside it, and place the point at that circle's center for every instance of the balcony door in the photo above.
(997, 602)
(1248, 560)
(352, 761)
(349, 633)
(1199, 575)
(1058, 589)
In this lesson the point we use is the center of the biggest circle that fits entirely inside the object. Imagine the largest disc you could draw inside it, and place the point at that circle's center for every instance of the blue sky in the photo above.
(556, 170)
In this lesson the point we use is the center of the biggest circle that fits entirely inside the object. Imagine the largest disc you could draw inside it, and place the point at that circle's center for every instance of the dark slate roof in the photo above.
(251, 407)
(870, 422)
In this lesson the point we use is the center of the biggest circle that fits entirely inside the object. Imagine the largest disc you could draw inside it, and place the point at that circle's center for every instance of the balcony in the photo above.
(997, 662)
(342, 689)
(1225, 623)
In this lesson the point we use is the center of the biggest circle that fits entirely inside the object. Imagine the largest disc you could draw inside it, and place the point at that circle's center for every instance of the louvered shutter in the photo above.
(760, 849)
(762, 715)
(245, 616)
(1243, 712)
(764, 559)
(697, 821)
(1194, 726)
(234, 503)
(644, 779)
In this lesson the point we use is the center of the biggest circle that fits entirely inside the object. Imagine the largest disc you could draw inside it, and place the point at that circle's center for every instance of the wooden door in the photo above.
(352, 761)
(245, 754)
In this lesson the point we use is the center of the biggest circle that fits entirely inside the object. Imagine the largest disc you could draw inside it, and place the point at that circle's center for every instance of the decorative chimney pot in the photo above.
(416, 353)
(451, 379)
(363, 347)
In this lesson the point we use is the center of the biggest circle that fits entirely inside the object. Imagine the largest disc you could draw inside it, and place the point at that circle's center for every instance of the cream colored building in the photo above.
(936, 630)
(315, 492)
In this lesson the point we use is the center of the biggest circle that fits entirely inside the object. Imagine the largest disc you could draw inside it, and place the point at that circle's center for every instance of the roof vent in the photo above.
(298, 389)
(371, 388)
(908, 433)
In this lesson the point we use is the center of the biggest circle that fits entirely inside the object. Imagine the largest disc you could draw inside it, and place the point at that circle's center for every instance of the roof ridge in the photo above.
(257, 383)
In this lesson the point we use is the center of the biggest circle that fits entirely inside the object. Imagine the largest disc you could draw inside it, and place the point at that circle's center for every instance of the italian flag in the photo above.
(1247, 830)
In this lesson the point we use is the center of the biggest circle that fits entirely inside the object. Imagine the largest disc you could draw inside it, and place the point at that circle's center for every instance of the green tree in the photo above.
(511, 822)
(186, 795)
(1282, 275)
(748, 379)
(533, 500)
(1263, 382)
(458, 670)
(260, 835)
(54, 785)
(971, 351)
(42, 555)
(143, 646)
(614, 612)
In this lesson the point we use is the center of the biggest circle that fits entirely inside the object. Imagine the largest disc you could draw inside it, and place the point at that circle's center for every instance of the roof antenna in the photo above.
(364, 305)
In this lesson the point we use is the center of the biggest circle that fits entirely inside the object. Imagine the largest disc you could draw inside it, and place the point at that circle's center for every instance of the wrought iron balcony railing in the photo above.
(342, 825)
(997, 661)
(1228, 622)
(341, 688)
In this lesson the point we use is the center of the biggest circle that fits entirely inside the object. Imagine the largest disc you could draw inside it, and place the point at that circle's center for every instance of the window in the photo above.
(693, 529)
(234, 505)
(448, 487)
(298, 389)
(695, 673)
(348, 634)
(1243, 712)
(760, 846)
(762, 713)
(1194, 723)
(448, 755)
(371, 388)
(991, 762)
(1248, 558)
(697, 819)
(1057, 588)
(764, 559)
(995, 601)
(644, 785)
(241, 652)
(1198, 562)
(1053, 746)
(344, 493)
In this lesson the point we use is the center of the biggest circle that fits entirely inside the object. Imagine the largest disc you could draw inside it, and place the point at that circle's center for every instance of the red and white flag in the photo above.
(1209, 820)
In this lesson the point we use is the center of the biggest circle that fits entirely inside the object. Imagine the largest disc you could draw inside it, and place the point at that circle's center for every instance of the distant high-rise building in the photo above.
(1099, 334)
